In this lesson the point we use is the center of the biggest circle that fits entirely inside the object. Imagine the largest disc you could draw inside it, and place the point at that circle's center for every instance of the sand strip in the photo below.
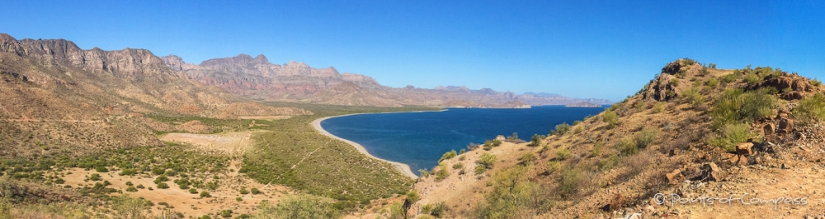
(404, 168)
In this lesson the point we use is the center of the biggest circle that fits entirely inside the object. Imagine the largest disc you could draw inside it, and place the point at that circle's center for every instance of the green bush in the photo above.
(563, 154)
(238, 199)
(163, 185)
(458, 166)
(674, 82)
(131, 189)
(561, 129)
(101, 169)
(816, 83)
(243, 191)
(527, 158)
(811, 109)
(712, 83)
(413, 196)
(226, 213)
(424, 173)
(731, 134)
(439, 209)
(737, 106)
(535, 140)
(609, 162)
(569, 181)
(693, 97)
(730, 78)
(255, 191)
(610, 118)
(627, 147)
(442, 172)
(205, 194)
(597, 149)
(193, 191)
(94, 177)
(752, 79)
(447, 156)
(645, 137)
(553, 165)
(659, 107)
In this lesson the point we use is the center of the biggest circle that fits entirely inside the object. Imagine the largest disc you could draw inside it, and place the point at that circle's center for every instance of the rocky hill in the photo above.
(260, 79)
(55, 93)
(739, 143)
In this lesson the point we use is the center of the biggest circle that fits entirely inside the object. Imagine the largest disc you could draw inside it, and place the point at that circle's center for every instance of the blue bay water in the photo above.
(419, 139)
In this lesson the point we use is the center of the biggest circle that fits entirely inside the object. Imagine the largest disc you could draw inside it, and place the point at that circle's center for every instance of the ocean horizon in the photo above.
(418, 139)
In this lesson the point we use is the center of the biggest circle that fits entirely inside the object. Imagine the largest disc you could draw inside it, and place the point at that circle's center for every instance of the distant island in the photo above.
(583, 104)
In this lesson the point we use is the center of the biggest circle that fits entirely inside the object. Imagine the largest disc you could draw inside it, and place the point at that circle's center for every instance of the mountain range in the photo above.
(295, 81)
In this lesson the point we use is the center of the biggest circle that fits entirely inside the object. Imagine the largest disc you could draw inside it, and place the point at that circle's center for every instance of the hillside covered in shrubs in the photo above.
(693, 131)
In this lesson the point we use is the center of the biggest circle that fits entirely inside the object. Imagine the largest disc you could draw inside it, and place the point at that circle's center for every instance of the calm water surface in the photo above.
(419, 139)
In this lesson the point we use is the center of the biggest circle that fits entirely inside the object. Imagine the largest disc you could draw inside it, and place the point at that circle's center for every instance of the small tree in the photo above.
(536, 140)
(610, 118)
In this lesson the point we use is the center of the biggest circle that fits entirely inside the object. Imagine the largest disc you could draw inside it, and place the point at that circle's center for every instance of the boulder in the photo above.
(744, 149)
(711, 172)
(675, 177)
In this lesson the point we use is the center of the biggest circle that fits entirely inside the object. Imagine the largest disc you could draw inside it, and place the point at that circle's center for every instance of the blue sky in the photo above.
(601, 49)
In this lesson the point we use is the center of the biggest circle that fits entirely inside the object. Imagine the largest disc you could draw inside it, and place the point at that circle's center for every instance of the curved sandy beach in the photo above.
(404, 168)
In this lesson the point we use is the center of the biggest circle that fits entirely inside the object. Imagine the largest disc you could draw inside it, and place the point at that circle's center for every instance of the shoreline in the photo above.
(402, 167)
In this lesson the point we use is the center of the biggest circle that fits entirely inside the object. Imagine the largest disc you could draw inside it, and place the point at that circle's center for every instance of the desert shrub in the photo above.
(458, 166)
(569, 181)
(447, 156)
(645, 137)
(101, 169)
(553, 166)
(480, 169)
(752, 79)
(561, 129)
(438, 209)
(193, 191)
(163, 185)
(712, 83)
(243, 191)
(610, 118)
(563, 154)
(535, 140)
(424, 173)
(736, 105)
(609, 162)
(462, 151)
(513, 137)
(674, 82)
(301, 206)
(161, 178)
(627, 146)
(730, 135)
(94, 177)
(693, 97)
(239, 199)
(226, 213)
(128, 207)
(511, 192)
(131, 189)
(597, 149)
(158, 171)
(811, 109)
(659, 107)
(140, 186)
(816, 83)
(442, 172)
(527, 158)
(489, 144)
(487, 160)
(413, 196)
(729, 78)
(255, 191)
(205, 194)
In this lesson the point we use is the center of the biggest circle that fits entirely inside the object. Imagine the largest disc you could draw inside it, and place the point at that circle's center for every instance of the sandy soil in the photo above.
(264, 117)
(404, 168)
(180, 200)
(232, 143)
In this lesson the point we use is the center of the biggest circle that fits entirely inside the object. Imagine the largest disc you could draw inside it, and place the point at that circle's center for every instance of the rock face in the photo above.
(59, 94)
(791, 86)
(295, 81)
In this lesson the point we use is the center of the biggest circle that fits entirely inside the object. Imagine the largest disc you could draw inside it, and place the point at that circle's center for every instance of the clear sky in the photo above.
(601, 49)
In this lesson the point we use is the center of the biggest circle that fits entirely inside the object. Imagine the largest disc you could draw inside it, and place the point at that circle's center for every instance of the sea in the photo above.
(418, 139)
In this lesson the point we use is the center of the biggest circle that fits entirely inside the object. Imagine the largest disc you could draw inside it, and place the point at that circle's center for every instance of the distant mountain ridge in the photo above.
(258, 78)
